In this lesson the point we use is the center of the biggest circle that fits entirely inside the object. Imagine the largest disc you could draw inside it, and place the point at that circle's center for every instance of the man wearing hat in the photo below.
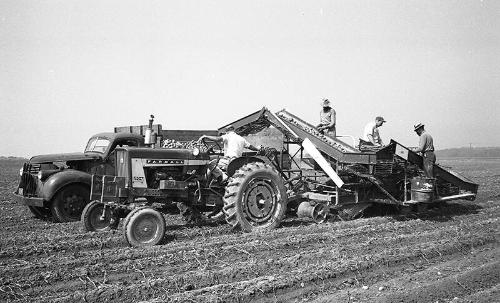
(327, 120)
(371, 135)
(426, 147)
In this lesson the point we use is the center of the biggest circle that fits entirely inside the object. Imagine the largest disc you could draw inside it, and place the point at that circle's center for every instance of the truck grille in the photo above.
(29, 179)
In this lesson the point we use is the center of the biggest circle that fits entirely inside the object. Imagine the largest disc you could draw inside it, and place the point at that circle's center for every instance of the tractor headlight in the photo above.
(196, 151)
(21, 170)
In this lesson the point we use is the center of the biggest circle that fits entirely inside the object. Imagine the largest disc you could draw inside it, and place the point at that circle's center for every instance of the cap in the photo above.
(417, 126)
(380, 119)
(326, 102)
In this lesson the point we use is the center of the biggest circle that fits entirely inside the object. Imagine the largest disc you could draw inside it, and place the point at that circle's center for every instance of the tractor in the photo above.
(151, 181)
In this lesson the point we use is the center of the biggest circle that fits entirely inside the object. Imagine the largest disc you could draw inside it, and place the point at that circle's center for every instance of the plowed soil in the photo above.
(441, 255)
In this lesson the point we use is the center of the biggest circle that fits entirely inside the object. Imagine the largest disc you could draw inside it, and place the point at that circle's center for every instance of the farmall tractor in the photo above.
(152, 181)
(311, 175)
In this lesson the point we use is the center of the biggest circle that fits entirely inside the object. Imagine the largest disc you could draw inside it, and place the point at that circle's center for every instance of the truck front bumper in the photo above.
(28, 201)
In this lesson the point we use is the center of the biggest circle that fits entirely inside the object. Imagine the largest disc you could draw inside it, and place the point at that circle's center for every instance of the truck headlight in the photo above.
(196, 151)
(44, 174)
(21, 170)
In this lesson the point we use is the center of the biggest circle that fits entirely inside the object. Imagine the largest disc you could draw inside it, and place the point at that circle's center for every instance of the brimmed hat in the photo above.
(417, 126)
(325, 102)
(379, 118)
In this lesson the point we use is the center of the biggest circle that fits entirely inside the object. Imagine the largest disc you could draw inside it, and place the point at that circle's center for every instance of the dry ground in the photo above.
(450, 255)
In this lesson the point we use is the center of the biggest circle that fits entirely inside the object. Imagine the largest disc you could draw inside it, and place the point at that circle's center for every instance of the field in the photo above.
(447, 255)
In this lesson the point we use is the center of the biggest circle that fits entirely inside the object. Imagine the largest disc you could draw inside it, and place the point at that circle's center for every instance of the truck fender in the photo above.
(59, 180)
(239, 162)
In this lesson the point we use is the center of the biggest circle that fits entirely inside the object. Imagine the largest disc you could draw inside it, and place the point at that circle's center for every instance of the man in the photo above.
(327, 120)
(426, 147)
(234, 145)
(371, 135)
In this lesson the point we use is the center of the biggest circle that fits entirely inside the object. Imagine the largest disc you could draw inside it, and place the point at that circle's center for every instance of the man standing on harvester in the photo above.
(426, 147)
(327, 120)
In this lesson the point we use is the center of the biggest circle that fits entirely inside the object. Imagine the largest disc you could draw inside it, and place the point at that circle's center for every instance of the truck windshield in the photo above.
(97, 145)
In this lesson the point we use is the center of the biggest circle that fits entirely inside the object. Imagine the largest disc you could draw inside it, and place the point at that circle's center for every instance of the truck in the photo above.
(57, 186)
(311, 175)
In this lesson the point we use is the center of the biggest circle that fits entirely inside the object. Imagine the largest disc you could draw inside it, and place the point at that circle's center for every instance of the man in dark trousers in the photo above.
(426, 147)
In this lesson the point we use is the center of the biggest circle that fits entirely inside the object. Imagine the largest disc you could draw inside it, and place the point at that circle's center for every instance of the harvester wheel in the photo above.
(69, 203)
(40, 212)
(255, 198)
(97, 217)
(144, 227)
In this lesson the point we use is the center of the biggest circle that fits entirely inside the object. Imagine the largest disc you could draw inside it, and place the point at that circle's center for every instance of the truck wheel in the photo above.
(69, 202)
(255, 198)
(144, 227)
(40, 212)
(93, 219)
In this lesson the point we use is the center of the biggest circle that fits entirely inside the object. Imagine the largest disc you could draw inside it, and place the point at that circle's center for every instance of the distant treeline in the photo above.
(476, 152)
(11, 158)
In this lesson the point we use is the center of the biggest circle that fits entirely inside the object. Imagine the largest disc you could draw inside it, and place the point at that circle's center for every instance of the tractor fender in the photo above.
(61, 179)
(239, 162)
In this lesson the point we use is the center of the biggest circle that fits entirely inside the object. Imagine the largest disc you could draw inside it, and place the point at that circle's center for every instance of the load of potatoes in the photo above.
(171, 143)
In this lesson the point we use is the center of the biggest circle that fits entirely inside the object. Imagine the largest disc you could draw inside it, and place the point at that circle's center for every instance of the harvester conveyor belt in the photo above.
(298, 130)
(334, 148)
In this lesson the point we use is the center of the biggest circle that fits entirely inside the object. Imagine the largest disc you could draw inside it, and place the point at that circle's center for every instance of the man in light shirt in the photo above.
(426, 147)
(327, 120)
(234, 145)
(371, 135)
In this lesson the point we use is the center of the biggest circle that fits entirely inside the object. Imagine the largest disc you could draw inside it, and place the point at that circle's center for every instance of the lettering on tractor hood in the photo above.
(173, 162)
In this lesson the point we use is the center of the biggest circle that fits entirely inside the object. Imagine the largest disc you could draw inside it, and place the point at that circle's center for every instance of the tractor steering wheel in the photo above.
(210, 147)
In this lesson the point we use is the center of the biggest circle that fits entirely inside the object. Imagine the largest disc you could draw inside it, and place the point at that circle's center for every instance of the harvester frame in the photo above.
(341, 174)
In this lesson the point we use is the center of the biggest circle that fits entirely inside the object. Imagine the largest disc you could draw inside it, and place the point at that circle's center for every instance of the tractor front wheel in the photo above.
(97, 217)
(144, 227)
(255, 198)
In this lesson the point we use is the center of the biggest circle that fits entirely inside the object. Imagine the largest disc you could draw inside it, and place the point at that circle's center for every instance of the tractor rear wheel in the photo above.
(144, 227)
(255, 198)
(97, 217)
(69, 203)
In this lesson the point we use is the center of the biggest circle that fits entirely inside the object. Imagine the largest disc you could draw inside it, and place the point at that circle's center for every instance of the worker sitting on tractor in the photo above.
(234, 145)
(371, 136)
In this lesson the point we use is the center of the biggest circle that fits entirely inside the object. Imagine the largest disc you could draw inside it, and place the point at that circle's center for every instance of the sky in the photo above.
(70, 69)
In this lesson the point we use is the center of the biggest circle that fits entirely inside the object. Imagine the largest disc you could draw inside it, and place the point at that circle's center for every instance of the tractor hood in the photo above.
(164, 153)
(63, 157)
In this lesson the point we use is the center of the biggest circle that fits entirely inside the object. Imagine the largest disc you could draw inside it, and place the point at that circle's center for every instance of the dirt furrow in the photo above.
(300, 266)
(213, 256)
